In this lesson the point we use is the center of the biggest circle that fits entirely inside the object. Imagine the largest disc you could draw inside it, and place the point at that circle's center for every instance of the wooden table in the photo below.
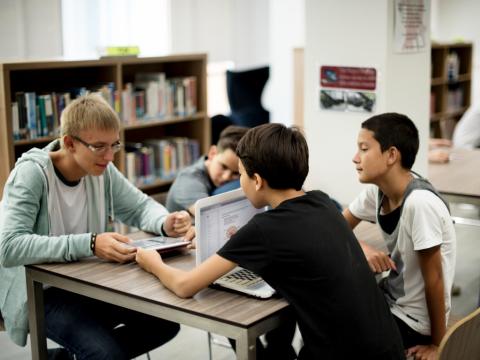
(235, 316)
(460, 177)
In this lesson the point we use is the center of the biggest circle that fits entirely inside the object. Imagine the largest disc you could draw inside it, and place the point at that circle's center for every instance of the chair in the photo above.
(462, 340)
(244, 91)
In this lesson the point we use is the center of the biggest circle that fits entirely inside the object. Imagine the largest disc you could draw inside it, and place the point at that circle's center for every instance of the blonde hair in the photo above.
(88, 112)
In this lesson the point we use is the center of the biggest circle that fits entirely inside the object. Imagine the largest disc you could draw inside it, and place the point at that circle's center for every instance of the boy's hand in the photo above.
(423, 352)
(109, 246)
(177, 223)
(147, 259)
(377, 260)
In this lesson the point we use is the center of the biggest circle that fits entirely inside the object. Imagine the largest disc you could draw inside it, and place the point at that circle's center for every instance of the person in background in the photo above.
(416, 225)
(215, 172)
(466, 135)
(58, 204)
(304, 249)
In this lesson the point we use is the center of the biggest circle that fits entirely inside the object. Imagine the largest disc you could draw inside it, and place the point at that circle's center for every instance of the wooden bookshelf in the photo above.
(451, 82)
(58, 76)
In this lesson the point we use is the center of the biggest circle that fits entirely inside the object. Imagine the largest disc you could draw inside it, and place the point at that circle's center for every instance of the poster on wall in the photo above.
(347, 88)
(411, 25)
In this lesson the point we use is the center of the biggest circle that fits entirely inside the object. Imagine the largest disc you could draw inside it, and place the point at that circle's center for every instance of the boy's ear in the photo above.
(212, 152)
(393, 155)
(259, 182)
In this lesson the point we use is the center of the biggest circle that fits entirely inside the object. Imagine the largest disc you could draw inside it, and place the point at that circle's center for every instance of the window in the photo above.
(90, 25)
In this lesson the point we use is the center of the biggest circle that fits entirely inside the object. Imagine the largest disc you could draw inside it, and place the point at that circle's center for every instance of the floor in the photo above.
(192, 343)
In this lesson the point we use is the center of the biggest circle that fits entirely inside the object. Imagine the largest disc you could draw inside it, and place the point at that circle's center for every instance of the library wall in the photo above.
(234, 30)
(30, 29)
(340, 37)
(283, 39)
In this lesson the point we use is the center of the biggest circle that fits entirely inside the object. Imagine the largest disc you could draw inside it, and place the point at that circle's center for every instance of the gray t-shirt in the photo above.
(191, 184)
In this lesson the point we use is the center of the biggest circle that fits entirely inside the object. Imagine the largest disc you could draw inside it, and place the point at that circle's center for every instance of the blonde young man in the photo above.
(209, 173)
(57, 205)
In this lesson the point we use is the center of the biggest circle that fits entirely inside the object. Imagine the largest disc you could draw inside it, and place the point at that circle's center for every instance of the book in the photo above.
(49, 115)
(15, 121)
(22, 115)
(43, 128)
(31, 111)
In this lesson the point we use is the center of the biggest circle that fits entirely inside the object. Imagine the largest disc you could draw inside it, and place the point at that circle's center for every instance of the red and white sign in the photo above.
(358, 78)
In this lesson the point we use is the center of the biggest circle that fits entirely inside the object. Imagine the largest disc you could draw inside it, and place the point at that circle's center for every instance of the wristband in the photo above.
(93, 238)
(162, 231)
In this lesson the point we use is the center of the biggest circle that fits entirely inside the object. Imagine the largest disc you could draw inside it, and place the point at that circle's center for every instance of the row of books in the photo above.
(152, 96)
(38, 115)
(159, 159)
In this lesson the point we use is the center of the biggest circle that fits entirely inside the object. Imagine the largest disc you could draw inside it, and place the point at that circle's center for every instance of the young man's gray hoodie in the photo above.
(25, 225)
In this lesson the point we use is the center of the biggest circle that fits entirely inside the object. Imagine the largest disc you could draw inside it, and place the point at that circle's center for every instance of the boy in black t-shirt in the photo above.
(303, 248)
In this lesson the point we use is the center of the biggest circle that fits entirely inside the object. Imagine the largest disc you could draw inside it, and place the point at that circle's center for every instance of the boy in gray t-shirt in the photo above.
(208, 173)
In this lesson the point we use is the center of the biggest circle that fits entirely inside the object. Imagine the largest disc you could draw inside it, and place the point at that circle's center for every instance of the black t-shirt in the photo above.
(306, 251)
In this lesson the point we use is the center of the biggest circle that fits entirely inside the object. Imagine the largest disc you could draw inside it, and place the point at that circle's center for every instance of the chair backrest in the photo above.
(462, 340)
(244, 90)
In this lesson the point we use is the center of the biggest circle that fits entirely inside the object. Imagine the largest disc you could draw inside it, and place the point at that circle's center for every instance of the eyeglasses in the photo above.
(102, 148)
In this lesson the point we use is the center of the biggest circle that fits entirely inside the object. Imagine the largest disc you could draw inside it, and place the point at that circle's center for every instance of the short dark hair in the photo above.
(277, 153)
(230, 136)
(393, 129)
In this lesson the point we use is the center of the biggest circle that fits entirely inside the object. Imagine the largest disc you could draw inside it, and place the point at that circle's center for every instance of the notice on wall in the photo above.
(411, 25)
(347, 88)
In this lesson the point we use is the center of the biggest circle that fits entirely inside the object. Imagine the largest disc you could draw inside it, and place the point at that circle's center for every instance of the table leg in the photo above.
(246, 346)
(36, 318)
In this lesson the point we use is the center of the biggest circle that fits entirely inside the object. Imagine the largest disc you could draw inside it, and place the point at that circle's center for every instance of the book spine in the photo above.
(31, 114)
(15, 121)
(49, 115)
(43, 129)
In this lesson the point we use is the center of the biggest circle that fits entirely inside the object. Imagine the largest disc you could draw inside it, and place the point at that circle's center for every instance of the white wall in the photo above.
(287, 31)
(235, 30)
(30, 29)
(340, 37)
(459, 20)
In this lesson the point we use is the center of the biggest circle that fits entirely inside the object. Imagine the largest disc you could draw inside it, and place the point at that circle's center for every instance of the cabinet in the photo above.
(62, 76)
(451, 80)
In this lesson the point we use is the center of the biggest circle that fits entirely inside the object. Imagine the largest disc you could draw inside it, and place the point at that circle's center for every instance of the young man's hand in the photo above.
(147, 259)
(110, 246)
(177, 223)
(423, 352)
(377, 260)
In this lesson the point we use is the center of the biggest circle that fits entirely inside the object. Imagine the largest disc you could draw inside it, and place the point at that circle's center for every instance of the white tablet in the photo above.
(160, 243)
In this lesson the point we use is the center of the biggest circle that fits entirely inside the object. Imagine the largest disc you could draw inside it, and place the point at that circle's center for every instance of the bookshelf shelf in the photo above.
(158, 183)
(450, 86)
(40, 140)
(51, 78)
(165, 121)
